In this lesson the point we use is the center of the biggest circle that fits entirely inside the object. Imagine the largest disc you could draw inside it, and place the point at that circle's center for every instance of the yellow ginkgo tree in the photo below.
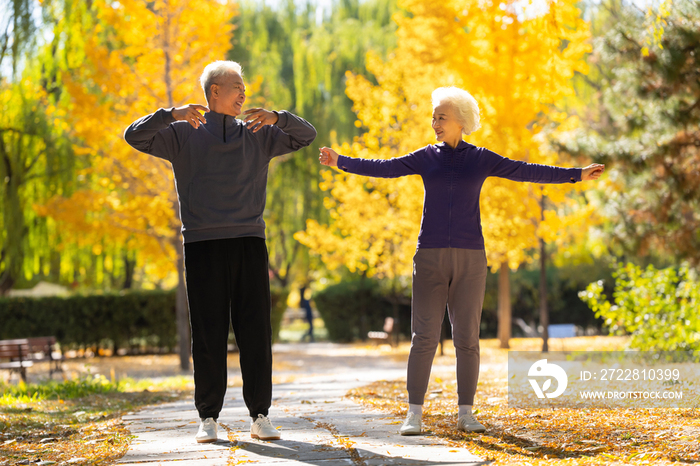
(517, 60)
(138, 56)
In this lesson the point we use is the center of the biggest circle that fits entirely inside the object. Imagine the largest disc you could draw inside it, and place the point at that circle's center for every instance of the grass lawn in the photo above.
(546, 436)
(75, 421)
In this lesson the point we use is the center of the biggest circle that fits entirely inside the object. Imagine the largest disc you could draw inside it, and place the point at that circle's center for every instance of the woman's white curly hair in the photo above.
(465, 106)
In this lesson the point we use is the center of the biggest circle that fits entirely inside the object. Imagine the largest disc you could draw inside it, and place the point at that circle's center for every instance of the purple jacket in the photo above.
(453, 180)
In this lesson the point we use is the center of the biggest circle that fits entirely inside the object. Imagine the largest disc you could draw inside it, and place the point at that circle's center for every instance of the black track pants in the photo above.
(228, 283)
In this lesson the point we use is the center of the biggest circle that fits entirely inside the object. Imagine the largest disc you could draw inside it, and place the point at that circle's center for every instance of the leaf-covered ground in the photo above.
(73, 422)
(77, 422)
(562, 436)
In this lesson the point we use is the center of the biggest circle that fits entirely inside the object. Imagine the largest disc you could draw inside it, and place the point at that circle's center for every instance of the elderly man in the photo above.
(220, 165)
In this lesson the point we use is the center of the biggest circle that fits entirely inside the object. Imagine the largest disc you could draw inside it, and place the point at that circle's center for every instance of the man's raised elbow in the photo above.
(134, 142)
(309, 139)
(128, 135)
(313, 135)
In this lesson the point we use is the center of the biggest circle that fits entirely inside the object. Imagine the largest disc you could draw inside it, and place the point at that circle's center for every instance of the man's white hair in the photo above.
(465, 106)
(215, 71)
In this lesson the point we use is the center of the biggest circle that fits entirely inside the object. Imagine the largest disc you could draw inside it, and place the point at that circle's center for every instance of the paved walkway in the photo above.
(319, 425)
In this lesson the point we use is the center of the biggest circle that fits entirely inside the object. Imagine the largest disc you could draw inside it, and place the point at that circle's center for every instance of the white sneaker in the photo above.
(411, 426)
(207, 431)
(262, 429)
(468, 423)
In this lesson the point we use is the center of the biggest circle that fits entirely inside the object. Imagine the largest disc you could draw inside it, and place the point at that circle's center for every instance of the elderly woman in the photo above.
(449, 266)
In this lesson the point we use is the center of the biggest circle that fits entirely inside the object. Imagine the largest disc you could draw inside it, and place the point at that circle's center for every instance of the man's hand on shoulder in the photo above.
(258, 117)
(190, 113)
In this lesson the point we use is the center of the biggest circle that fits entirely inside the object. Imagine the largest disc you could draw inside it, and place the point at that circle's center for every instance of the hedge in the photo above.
(99, 321)
(563, 287)
(351, 309)
(87, 321)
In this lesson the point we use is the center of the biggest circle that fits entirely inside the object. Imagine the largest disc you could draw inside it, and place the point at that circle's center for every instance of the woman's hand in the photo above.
(592, 172)
(328, 157)
(190, 113)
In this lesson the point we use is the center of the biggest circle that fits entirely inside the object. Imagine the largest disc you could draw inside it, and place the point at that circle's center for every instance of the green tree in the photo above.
(641, 116)
(296, 58)
(657, 307)
(35, 157)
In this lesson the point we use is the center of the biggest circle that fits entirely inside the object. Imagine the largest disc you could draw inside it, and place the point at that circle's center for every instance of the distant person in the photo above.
(220, 165)
(305, 304)
(449, 266)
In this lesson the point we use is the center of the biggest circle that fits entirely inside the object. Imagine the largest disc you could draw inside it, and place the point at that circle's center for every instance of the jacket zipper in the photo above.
(224, 128)
(449, 205)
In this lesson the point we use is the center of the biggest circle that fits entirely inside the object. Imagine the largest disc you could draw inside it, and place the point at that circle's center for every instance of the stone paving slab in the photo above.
(319, 426)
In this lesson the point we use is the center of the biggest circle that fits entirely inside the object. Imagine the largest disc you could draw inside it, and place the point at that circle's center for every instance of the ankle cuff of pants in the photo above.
(465, 399)
(416, 399)
(208, 415)
(255, 415)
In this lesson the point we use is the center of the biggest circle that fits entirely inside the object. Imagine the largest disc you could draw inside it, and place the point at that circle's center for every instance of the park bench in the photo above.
(385, 335)
(19, 354)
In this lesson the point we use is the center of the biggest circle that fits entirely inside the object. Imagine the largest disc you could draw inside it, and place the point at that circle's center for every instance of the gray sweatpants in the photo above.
(456, 277)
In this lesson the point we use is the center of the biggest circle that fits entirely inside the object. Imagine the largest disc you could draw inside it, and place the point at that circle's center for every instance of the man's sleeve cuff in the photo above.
(281, 118)
(167, 115)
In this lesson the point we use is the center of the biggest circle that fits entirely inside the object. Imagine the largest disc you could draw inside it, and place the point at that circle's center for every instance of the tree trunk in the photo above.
(446, 325)
(395, 304)
(504, 307)
(181, 311)
(544, 312)
(12, 254)
(129, 266)
(363, 307)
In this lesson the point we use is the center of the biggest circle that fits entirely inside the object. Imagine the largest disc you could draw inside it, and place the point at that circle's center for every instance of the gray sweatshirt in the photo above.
(220, 168)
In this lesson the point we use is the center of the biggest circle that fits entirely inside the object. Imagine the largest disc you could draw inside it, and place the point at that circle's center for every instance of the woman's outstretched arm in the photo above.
(517, 170)
(379, 168)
